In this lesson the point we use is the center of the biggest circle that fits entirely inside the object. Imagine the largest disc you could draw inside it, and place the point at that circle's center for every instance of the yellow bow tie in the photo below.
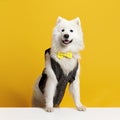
(60, 55)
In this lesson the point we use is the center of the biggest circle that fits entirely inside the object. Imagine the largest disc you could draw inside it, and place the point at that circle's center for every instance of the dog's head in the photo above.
(67, 35)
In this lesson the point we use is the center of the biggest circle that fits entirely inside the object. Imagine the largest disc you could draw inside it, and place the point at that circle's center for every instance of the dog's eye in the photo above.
(62, 30)
(71, 30)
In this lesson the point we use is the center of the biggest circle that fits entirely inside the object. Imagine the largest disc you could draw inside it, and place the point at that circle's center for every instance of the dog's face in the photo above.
(67, 35)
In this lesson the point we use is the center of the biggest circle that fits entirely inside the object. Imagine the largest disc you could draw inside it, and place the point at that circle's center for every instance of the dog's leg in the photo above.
(37, 97)
(74, 89)
(37, 103)
(49, 94)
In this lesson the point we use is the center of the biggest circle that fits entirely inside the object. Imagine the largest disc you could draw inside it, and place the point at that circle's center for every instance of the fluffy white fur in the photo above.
(66, 64)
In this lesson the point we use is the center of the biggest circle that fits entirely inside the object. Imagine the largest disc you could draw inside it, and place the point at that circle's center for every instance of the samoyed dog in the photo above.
(61, 66)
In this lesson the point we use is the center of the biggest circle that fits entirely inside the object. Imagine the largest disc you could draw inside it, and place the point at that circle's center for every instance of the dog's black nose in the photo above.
(66, 36)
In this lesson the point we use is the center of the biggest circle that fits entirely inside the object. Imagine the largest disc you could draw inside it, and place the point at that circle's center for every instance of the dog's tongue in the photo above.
(66, 41)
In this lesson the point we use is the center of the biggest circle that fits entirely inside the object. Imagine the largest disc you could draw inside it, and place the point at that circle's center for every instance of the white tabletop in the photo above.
(59, 114)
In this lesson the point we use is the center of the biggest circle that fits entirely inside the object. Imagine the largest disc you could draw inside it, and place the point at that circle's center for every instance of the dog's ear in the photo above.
(59, 19)
(77, 21)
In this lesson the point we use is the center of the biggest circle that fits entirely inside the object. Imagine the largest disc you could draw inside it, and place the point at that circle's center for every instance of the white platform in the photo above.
(59, 114)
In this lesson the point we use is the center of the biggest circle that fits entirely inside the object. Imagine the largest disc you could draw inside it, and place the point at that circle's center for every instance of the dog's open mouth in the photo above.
(66, 41)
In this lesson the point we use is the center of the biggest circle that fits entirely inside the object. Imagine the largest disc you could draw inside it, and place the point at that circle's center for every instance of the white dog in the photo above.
(61, 66)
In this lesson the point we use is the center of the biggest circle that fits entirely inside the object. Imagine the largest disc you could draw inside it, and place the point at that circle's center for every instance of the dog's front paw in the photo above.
(81, 108)
(49, 109)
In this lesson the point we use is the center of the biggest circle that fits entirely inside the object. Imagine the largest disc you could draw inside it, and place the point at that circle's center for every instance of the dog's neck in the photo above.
(55, 51)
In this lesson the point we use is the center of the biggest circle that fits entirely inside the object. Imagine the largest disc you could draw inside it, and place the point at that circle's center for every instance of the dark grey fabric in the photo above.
(42, 82)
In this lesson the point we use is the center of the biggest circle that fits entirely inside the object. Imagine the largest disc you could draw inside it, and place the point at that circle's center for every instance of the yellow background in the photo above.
(25, 32)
